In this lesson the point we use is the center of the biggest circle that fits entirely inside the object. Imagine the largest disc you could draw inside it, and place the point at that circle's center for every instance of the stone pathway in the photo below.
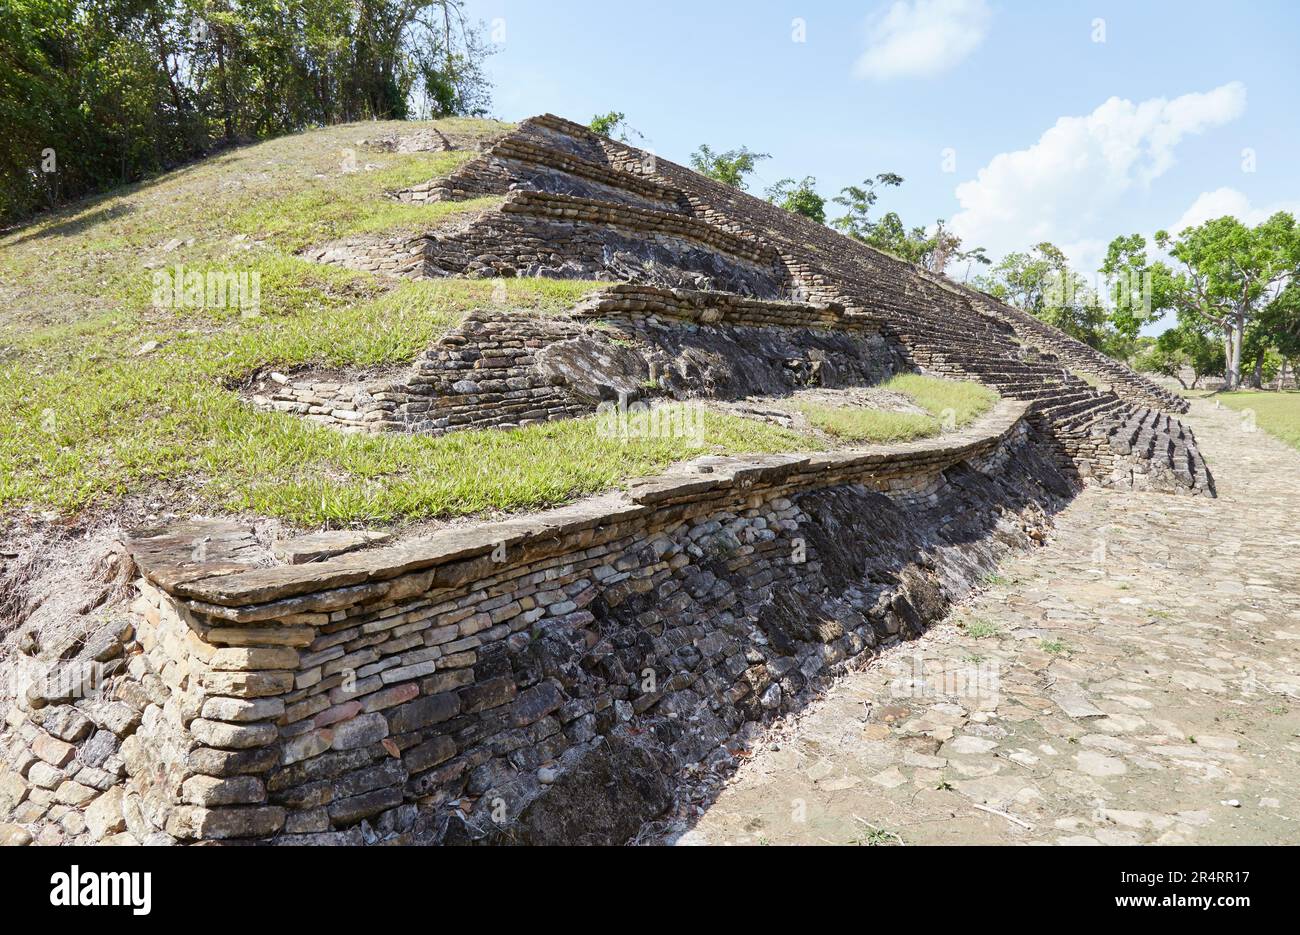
(1135, 681)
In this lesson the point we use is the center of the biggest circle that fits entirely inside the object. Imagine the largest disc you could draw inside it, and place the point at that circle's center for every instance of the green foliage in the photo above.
(799, 197)
(1273, 339)
(1228, 276)
(729, 168)
(932, 250)
(858, 200)
(981, 628)
(1281, 320)
(1185, 346)
(1055, 647)
(1137, 289)
(950, 404)
(1166, 361)
(95, 93)
(609, 124)
(1042, 283)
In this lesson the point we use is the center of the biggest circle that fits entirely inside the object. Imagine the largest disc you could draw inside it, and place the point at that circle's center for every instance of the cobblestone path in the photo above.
(1135, 681)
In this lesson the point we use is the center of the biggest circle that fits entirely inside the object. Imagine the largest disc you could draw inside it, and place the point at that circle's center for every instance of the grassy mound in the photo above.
(107, 392)
(950, 404)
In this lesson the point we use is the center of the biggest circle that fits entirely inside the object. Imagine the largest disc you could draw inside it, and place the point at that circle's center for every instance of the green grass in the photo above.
(870, 425)
(351, 204)
(88, 420)
(875, 836)
(949, 404)
(245, 209)
(1277, 413)
(981, 629)
(107, 422)
(957, 402)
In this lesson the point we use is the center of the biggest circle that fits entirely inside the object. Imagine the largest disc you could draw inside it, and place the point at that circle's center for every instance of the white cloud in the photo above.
(1064, 187)
(1225, 201)
(922, 38)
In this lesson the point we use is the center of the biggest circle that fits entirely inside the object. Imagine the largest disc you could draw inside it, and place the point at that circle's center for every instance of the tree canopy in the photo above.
(95, 93)
(931, 249)
(1041, 282)
(1228, 275)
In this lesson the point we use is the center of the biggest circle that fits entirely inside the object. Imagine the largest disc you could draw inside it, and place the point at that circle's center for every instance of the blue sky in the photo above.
(1047, 132)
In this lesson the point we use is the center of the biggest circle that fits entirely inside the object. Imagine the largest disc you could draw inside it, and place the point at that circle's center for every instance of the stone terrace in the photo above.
(558, 677)
(578, 205)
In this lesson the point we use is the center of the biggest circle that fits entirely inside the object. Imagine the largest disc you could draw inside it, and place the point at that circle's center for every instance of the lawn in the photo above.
(1277, 413)
(949, 404)
(106, 393)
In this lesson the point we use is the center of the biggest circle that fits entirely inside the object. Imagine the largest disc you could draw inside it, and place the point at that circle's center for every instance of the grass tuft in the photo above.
(981, 629)
(957, 402)
(869, 425)
(950, 404)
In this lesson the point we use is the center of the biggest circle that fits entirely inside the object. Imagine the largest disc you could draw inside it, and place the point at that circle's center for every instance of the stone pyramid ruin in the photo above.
(554, 677)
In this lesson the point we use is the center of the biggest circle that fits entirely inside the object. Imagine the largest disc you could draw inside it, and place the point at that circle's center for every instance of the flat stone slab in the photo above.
(321, 545)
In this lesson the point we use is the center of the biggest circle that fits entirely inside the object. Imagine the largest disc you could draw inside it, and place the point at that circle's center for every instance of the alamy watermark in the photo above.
(1128, 290)
(625, 420)
(179, 287)
(976, 681)
(77, 887)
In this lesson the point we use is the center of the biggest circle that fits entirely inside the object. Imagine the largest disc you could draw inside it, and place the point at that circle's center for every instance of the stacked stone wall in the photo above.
(487, 372)
(486, 683)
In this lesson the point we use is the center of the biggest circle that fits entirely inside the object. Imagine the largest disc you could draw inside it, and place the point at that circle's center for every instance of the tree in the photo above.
(932, 250)
(1229, 273)
(974, 255)
(1042, 283)
(800, 198)
(1169, 362)
(729, 168)
(1258, 352)
(1137, 289)
(612, 123)
(605, 124)
(95, 93)
(1179, 349)
(1282, 319)
(858, 200)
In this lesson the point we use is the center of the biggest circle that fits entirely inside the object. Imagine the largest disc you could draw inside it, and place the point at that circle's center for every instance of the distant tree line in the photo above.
(1233, 289)
(95, 93)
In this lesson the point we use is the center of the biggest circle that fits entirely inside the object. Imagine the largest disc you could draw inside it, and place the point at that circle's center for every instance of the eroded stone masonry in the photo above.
(552, 678)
